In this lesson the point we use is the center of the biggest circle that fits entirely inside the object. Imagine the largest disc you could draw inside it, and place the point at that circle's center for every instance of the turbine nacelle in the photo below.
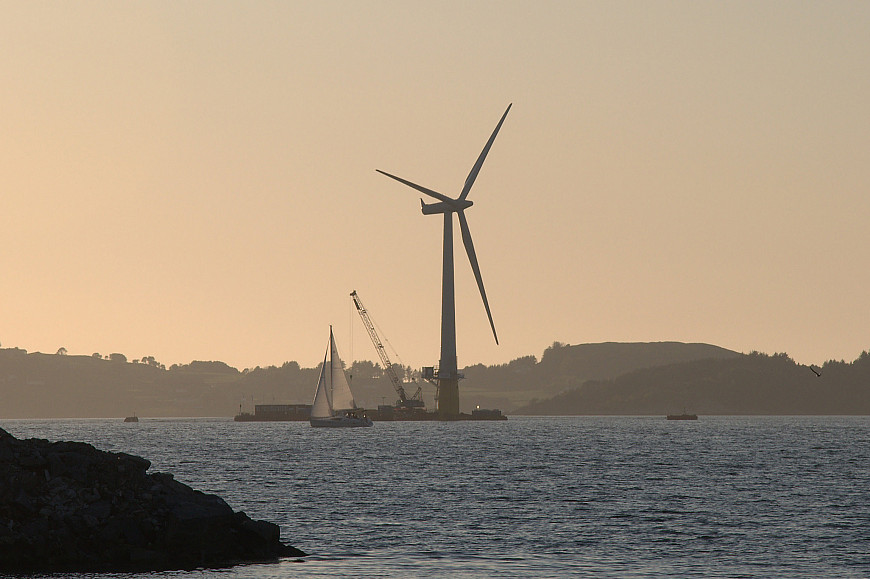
(455, 205)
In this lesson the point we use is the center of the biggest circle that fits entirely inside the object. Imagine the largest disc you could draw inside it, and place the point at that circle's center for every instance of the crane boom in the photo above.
(382, 352)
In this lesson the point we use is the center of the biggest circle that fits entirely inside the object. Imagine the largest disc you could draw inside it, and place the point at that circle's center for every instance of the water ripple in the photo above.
(544, 497)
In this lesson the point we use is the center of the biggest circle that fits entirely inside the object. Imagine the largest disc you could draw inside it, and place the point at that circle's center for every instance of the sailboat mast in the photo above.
(331, 381)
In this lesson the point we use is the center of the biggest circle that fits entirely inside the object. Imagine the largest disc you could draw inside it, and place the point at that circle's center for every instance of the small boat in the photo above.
(682, 416)
(133, 418)
(334, 405)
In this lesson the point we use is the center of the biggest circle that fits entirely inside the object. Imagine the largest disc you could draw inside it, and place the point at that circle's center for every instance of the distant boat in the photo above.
(334, 405)
(133, 418)
(682, 416)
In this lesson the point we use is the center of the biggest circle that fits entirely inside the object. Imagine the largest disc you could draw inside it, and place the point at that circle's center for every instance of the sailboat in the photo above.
(334, 405)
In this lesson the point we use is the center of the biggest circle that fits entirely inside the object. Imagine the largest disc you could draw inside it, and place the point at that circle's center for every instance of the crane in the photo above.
(416, 401)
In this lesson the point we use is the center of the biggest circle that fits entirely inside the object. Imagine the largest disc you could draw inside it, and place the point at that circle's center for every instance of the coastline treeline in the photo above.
(748, 384)
(37, 385)
(606, 378)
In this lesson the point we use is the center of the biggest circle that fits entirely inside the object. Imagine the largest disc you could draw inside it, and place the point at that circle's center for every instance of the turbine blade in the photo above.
(472, 257)
(419, 188)
(469, 181)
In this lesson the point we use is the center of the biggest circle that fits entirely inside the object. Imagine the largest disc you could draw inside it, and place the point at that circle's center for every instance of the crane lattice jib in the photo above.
(382, 352)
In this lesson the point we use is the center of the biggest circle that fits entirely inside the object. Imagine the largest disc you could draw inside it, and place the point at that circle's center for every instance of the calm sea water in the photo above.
(539, 497)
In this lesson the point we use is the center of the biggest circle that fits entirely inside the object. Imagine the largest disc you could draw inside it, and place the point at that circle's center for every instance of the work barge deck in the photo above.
(384, 413)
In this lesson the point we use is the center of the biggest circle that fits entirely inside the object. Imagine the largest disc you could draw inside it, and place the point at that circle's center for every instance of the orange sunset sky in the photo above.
(196, 181)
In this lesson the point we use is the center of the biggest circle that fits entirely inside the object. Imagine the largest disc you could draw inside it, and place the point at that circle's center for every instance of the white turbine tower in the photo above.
(448, 373)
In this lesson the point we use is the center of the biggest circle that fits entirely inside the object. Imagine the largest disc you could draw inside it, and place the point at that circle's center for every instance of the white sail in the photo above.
(321, 407)
(342, 397)
(333, 401)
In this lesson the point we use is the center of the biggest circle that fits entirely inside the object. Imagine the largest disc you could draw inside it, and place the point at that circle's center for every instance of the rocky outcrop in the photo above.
(66, 506)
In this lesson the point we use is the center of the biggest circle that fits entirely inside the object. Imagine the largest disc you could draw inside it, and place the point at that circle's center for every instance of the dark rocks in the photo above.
(66, 506)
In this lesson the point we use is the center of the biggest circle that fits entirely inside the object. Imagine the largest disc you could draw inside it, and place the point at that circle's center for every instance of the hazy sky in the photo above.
(196, 180)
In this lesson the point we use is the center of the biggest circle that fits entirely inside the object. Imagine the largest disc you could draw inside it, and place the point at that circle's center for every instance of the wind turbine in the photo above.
(448, 374)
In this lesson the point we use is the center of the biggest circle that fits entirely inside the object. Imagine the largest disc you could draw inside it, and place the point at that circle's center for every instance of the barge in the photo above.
(682, 416)
(276, 413)
(386, 413)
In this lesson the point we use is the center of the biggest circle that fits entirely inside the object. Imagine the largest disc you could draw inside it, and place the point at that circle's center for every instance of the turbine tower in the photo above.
(448, 373)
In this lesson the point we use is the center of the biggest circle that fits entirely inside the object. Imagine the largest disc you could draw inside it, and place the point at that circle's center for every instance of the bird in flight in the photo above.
(816, 372)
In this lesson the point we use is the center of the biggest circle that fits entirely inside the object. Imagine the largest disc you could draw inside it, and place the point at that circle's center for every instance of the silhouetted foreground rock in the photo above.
(66, 506)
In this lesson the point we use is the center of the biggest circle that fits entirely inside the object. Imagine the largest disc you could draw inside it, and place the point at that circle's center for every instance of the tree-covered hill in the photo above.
(36, 385)
(747, 384)
(563, 367)
(608, 378)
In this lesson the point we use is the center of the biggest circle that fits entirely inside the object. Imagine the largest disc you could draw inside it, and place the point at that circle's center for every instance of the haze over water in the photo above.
(544, 497)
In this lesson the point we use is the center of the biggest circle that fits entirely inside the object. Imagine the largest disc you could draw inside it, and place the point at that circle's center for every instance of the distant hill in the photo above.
(39, 385)
(36, 385)
(747, 384)
(607, 378)
(610, 359)
(564, 367)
